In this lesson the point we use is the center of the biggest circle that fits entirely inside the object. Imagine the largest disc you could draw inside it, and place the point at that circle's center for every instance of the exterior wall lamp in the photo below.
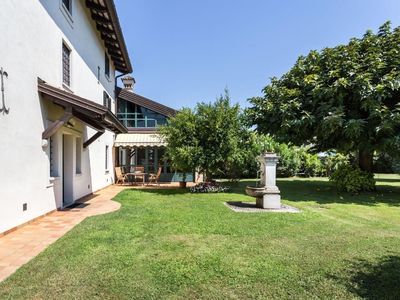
(2, 75)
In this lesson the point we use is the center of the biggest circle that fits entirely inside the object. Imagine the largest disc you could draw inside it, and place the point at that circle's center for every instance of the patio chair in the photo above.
(121, 178)
(155, 177)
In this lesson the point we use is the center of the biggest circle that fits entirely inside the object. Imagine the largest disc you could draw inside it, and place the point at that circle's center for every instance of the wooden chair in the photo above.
(155, 177)
(121, 178)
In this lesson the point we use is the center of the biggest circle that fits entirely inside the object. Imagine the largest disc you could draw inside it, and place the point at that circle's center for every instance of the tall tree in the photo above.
(345, 98)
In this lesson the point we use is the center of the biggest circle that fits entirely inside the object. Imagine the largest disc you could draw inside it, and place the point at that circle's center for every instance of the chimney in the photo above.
(128, 82)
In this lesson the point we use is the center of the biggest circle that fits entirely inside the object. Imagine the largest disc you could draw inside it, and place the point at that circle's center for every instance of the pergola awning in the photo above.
(89, 112)
(139, 140)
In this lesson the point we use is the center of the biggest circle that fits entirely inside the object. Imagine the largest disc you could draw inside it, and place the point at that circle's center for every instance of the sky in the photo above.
(189, 51)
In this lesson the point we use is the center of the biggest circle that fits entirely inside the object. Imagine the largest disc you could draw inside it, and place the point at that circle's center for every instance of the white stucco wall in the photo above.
(32, 33)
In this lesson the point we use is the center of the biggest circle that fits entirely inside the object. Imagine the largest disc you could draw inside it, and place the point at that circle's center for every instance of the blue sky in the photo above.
(186, 51)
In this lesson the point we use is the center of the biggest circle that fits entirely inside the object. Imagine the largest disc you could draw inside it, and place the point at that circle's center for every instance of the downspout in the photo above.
(115, 154)
(115, 88)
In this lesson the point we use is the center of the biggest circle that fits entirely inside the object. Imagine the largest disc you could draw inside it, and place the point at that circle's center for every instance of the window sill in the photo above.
(67, 88)
(107, 77)
(78, 174)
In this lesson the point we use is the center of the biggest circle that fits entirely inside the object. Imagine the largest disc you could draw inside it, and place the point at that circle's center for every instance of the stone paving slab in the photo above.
(250, 207)
(20, 246)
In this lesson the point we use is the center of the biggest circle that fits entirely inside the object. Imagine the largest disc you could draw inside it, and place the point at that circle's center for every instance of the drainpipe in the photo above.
(115, 88)
(116, 162)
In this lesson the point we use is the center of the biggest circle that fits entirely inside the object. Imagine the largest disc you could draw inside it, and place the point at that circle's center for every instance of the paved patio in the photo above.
(23, 244)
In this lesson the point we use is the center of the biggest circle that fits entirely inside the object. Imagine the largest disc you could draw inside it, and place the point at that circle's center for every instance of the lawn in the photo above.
(177, 245)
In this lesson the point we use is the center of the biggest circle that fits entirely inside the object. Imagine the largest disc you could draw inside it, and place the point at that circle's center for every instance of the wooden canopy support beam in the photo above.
(96, 7)
(101, 20)
(109, 37)
(105, 29)
(52, 129)
(117, 59)
(112, 46)
(92, 139)
(87, 121)
(114, 53)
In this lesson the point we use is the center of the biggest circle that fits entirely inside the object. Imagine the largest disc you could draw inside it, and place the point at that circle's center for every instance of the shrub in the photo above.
(351, 179)
(333, 161)
(311, 164)
(385, 163)
(208, 187)
(289, 162)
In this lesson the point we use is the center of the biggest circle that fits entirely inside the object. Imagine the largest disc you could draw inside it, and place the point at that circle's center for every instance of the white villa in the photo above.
(64, 122)
(58, 64)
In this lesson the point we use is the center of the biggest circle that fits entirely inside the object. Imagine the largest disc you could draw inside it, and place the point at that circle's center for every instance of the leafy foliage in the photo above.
(311, 164)
(385, 163)
(333, 161)
(183, 149)
(351, 179)
(293, 160)
(345, 98)
(212, 138)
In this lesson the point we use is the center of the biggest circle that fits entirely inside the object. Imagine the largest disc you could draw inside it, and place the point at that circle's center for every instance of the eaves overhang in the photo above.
(104, 14)
(89, 112)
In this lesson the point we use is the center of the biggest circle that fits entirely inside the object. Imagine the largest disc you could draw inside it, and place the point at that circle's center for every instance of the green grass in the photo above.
(176, 245)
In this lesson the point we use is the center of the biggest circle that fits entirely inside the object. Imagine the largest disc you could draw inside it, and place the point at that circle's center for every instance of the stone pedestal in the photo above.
(272, 197)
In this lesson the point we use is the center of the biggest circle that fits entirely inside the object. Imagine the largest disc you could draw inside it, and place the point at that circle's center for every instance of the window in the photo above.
(107, 66)
(66, 65)
(135, 116)
(78, 155)
(53, 172)
(106, 158)
(106, 100)
(67, 5)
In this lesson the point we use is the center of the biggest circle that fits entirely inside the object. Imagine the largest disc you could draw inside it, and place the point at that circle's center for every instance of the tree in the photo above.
(180, 134)
(212, 138)
(345, 98)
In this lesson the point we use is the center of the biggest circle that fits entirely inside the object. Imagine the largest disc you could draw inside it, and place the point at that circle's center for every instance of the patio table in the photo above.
(136, 174)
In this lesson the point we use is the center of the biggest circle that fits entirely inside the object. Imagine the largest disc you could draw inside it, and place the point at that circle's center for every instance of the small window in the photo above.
(78, 156)
(107, 66)
(106, 100)
(66, 63)
(106, 160)
(67, 5)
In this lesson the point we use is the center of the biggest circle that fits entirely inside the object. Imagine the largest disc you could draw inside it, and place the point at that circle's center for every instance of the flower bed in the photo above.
(209, 187)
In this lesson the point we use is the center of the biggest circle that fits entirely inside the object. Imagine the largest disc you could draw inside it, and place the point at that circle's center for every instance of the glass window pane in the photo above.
(130, 123)
(151, 123)
(139, 109)
(130, 107)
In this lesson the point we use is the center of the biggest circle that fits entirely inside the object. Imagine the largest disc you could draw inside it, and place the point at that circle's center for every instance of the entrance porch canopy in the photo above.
(130, 140)
(94, 115)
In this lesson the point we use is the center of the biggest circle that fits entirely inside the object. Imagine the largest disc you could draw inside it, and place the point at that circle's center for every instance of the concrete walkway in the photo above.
(23, 244)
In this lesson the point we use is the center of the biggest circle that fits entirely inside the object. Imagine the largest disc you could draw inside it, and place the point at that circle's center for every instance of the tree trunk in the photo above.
(208, 176)
(366, 160)
(182, 184)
